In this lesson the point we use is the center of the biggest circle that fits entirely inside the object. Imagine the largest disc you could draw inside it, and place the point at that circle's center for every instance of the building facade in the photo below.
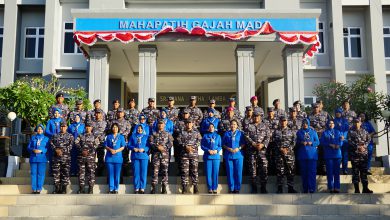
(37, 39)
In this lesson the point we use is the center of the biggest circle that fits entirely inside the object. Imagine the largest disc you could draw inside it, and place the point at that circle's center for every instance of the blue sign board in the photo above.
(209, 24)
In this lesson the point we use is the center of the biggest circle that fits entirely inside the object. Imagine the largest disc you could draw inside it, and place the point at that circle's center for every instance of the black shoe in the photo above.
(153, 190)
(57, 189)
(236, 191)
(38, 192)
(291, 190)
(136, 191)
(369, 173)
(196, 190)
(63, 190)
(141, 191)
(215, 192)
(90, 190)
(115, 192)
(366, 189)
(345, 172)
(336, 191)
(184, 189)
(110, 192)
(164, 189)
(254, 188)
(280, 190)
(356, 185)
(263, 189)
(210, 191)
(81, 190)
(231, 191)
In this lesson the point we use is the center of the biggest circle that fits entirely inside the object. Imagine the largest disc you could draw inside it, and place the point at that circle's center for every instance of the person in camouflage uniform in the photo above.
(348, 113)
(196, 114)
(79, 110)
(217, 114)
(255, 106)
(98, 107)
(300, 114)
(294, 122)
(172, 111)
(273, 123)
(322, 111)
(86, 145)
(132, 113)
(151, 112)
(160, 143)
(178, 128)
(257, 138)
(189, 142)
(224, 125)
(232, 105)
(61, 144)
(100, 130)
(318, 122)
(358, 140)
(248, 119)
(59, 105)
(284, 138)
(112, 115)
(278, 111)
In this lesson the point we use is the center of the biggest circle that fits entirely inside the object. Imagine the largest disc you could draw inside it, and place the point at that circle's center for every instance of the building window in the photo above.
(386, 34)
(1, 41)
(309, 100)
(352, 42)
(321, 35)
(70, 47)
(34, 42)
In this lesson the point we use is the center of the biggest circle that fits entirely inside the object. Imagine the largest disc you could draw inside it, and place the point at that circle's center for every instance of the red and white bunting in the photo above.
(90, 38)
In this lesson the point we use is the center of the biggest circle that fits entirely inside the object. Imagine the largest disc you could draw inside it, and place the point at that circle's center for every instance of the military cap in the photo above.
(315, 105)
(193, 97)
(253, 98)
(120, 110)
(131, 100)
(98, 111)
(249, 108)
(79, 102)
(186, 111)
(171, 98)
(161, 121)
(60, 94)
(229, 109)
(292, 109)
(115, 101)
(63, 124)
(257, 113)
(97, 100)
(232, 99)
(212, 101)
(357, 120)
(151, 100)
(89, 124)
(283, 118)
(188, 121)
(270, 109)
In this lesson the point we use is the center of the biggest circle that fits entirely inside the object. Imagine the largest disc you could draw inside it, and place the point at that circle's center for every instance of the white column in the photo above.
(293, 74)
(245, 75)
(336, 40)
(377, 65)
(53, 30)
(98, 76)
(11, 17)
(147, 74)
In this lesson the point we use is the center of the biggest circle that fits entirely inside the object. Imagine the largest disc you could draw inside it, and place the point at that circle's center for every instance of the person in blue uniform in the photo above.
(210, 119)
(114, 144)
(142, 119)
(366, 125)
(341, 124)
(37, 147)
(331, 141)
(76, 129)
(211, 144)
(138, 144)
(53, 127)
(167, 121)
(307, 154)
(233, 141)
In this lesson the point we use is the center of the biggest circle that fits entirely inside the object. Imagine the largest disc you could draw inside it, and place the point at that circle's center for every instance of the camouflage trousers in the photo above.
(285, 166)
(160, 165)
(359, 169)
(61, 170)
(87, 168)
(258, 166)
(189, 168)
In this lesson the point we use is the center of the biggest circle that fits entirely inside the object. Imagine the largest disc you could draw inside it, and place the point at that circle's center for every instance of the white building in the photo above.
(36, 38)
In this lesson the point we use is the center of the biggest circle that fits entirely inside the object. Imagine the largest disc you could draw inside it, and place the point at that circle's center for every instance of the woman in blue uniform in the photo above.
(211, 119)
(38, 147)
(52, 128)
(366, 125)
(211, 144)
(138, 145)
(76, 129)
(331, 141)
(114, 144)
(307, 154)
(142, 119)
(233, 141)
(341, 124)
(167, 121)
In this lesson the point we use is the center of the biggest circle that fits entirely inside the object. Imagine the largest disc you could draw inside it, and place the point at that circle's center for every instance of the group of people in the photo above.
(73, 141)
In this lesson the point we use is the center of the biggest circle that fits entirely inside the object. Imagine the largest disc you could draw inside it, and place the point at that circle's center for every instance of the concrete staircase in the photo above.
(16, 202)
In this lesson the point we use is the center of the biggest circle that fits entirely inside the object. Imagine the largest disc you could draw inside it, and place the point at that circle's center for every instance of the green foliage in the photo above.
(360, 95)
(30, 98)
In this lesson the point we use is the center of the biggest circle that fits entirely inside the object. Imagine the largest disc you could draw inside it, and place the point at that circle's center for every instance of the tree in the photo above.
(31, 98)
(360, 95)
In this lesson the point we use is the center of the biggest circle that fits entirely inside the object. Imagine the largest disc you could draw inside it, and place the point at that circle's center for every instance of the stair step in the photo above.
(175, 188)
